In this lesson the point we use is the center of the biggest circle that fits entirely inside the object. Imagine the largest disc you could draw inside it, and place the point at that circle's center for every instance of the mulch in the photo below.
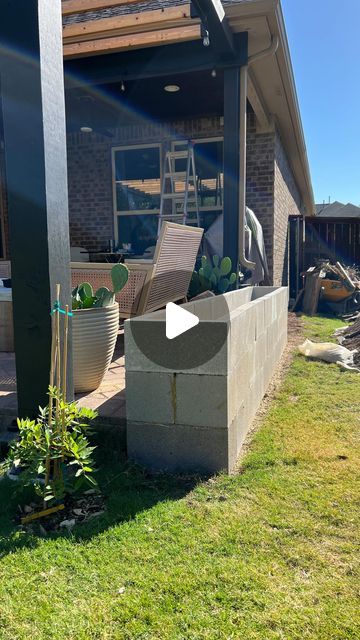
(77, 510)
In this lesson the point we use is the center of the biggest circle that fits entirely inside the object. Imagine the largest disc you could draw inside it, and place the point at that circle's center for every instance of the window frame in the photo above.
(116, 212)
(182, 141)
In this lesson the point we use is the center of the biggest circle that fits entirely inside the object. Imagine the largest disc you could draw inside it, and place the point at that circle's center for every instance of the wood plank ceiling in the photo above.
(137, 29)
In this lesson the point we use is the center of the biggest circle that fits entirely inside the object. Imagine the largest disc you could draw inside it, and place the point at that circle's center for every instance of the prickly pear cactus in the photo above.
(213, 275)
(83, 296)
(119, 277)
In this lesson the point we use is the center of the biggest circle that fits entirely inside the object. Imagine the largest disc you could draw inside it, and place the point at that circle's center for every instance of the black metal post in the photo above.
(231, 163)
(32, 87)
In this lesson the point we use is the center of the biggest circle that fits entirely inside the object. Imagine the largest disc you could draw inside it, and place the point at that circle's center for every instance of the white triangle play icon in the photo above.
(178, 320)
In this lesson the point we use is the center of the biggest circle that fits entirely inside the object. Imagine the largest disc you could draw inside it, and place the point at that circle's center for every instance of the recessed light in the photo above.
(171, 88)
(86, 129)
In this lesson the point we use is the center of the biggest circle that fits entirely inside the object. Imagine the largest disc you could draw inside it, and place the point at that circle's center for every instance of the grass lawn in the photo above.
(271, 553)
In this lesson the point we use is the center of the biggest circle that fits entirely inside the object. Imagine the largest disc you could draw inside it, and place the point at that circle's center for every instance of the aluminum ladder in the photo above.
(175, 205)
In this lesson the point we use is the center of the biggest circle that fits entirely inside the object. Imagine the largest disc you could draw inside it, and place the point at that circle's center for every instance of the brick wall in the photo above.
(287, 201)
(260, 182)
(90, 173)
(271, 190)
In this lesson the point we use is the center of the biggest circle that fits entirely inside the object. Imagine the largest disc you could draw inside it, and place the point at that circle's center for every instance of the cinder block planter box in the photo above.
(195, 418)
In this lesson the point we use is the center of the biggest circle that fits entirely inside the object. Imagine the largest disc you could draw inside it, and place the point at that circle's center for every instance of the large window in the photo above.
(209, 164)
(136, 173)
(137, 187)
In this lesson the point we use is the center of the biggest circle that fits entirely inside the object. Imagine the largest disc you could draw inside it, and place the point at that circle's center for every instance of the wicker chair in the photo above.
(5, 269)
(152, 283)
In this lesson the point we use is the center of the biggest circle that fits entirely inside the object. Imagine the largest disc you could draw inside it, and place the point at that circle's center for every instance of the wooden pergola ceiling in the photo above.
(127, 31)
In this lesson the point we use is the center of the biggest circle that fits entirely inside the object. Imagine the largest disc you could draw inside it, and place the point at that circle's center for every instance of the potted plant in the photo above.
(95, 329)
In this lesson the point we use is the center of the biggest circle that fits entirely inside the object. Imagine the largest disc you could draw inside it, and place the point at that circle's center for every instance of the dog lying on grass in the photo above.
(330, 352)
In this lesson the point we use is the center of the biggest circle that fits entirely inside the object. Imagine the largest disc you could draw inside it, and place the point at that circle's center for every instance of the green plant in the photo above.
(215, 276)
(58, 444)
(83, 296)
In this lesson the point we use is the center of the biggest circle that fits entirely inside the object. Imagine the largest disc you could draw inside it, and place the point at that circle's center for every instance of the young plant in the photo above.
(213, 276)
(54, 453)
(83, 296)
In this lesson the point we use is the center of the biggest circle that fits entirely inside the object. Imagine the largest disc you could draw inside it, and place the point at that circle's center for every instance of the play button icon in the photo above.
(178, 320)
(177, 337)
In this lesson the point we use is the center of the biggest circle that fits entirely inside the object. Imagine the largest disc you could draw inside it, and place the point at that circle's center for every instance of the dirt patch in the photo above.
(295, 337)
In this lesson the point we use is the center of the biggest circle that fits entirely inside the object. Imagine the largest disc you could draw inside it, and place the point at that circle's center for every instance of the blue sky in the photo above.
(324, 40)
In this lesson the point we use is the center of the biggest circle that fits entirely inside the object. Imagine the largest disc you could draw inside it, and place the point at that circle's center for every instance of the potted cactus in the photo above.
(95, 329)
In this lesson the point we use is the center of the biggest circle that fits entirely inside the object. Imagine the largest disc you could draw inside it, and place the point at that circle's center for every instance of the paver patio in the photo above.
(108, 399)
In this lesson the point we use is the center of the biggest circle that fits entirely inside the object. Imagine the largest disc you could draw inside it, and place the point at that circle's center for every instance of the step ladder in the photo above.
(179, 195)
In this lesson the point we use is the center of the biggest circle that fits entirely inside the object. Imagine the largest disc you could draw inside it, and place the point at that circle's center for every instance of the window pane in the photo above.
(138, 230)
(137, 174)
(209, 171)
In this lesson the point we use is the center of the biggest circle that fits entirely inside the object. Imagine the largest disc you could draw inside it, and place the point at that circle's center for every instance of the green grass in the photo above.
(268, 554)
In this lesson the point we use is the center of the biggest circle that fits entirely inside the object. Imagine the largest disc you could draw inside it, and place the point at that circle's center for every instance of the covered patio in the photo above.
(161, 81)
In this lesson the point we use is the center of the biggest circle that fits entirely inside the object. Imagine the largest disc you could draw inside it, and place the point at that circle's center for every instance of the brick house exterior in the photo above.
(271, 189)
(276, 187)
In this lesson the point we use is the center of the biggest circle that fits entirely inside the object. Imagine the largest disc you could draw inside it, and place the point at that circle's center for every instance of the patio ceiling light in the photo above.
(171, 88)
(86, 129)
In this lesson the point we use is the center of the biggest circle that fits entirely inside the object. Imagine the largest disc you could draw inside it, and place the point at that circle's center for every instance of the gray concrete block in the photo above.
(179, 448)
(207, 338)
(201, 400)
(150, 397)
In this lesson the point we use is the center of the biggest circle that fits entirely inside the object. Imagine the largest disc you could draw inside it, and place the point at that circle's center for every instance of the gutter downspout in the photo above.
(243, 120)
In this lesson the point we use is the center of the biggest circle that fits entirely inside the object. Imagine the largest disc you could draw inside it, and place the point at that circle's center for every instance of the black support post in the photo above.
(231, 163)
(32, 88)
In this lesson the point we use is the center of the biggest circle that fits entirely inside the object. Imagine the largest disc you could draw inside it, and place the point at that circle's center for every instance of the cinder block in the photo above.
(261, 292)
(150, 397)
(201, 400)
(207, 338)
(179, 448)
(260, 349)
(260, 318)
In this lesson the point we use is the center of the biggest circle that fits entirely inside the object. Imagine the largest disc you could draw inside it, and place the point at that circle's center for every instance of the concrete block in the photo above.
(150, 397)
(207, 338)
(260, 318)
(260, 348)
(179, 448)
(201, 400)
(261, 292)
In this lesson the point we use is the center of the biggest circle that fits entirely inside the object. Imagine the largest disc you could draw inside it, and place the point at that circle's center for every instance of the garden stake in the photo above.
(42, 514)
(64, 368)
(57, 470)
(51, 383)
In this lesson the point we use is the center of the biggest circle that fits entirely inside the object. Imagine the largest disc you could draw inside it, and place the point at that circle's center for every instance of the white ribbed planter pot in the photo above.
(94, 338)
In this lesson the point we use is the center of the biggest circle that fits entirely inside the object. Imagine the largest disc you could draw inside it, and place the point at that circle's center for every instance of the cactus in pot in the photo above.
(83, 296)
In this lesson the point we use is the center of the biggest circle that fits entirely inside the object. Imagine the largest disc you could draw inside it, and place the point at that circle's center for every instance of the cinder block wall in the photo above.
(196, 419)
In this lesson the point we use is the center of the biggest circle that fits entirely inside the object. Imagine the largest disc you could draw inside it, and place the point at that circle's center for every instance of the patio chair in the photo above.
(152, 283)
(5, 269)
